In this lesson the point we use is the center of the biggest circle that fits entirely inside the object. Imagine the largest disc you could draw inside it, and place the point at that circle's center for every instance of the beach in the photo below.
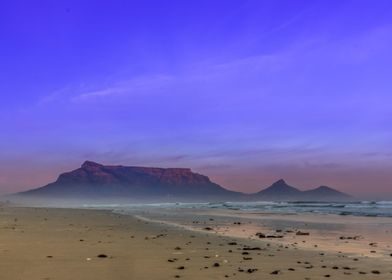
(61, 243)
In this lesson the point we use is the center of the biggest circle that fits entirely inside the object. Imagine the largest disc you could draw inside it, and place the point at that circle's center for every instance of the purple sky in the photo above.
(246, 92)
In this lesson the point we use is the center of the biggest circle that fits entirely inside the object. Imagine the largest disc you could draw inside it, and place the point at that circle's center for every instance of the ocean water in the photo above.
(363, 208)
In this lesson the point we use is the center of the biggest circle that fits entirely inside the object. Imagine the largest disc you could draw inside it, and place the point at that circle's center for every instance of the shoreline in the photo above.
(336, 234)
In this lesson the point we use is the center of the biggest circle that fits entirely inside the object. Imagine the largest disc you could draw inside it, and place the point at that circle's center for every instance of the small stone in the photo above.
(302, 233)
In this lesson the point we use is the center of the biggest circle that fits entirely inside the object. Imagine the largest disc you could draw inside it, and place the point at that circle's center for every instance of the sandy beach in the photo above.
(50, 243)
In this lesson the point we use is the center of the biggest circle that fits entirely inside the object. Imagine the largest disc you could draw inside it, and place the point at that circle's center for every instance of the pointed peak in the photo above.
(91, 164)
(280, 181)
(280, 187)
(323, 188)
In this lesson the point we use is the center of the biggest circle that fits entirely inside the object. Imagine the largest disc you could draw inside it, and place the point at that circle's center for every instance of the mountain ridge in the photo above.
(281, 190)
(95, 180)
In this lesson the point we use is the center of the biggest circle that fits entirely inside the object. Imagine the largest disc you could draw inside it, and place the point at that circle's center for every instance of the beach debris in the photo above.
(260, 235)
(356, 237)
(181, 267)
(102, 256)
(302, 233)
(309, 266)
(375, 272)
(274, 236)
(275, 272)
(251, 270)
(88, 259)
(216, 264)
(251, 249)
(208, 228)
(172, 260)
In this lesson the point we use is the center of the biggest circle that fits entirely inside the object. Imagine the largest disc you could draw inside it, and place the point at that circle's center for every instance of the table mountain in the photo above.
(97, 180)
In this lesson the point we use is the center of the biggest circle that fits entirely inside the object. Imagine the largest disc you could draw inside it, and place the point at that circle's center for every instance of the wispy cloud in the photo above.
(137, 85)
(85, 93)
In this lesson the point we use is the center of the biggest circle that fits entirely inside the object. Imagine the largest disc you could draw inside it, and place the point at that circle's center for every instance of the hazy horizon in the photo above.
(245, 92)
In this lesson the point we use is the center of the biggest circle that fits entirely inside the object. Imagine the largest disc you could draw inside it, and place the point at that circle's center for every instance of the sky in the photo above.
(246, 92)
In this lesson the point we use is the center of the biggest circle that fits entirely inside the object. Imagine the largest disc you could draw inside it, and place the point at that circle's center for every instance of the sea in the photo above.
(362, 208)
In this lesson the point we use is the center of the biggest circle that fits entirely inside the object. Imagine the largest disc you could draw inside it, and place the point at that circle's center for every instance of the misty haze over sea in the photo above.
(363, 208)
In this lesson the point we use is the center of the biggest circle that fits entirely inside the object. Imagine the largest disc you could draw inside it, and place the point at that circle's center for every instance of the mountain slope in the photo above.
(279, 188)
(324, 192)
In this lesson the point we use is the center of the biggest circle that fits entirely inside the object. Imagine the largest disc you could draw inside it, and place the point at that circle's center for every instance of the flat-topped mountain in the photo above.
(96, 181)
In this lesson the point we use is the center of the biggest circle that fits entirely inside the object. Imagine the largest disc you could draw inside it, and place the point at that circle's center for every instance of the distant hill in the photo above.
(280, 190)
(326, 193)
(96, 181)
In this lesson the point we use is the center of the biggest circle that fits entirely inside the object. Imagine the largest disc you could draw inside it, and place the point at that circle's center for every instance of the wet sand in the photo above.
(49, 243)
(356, 236)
